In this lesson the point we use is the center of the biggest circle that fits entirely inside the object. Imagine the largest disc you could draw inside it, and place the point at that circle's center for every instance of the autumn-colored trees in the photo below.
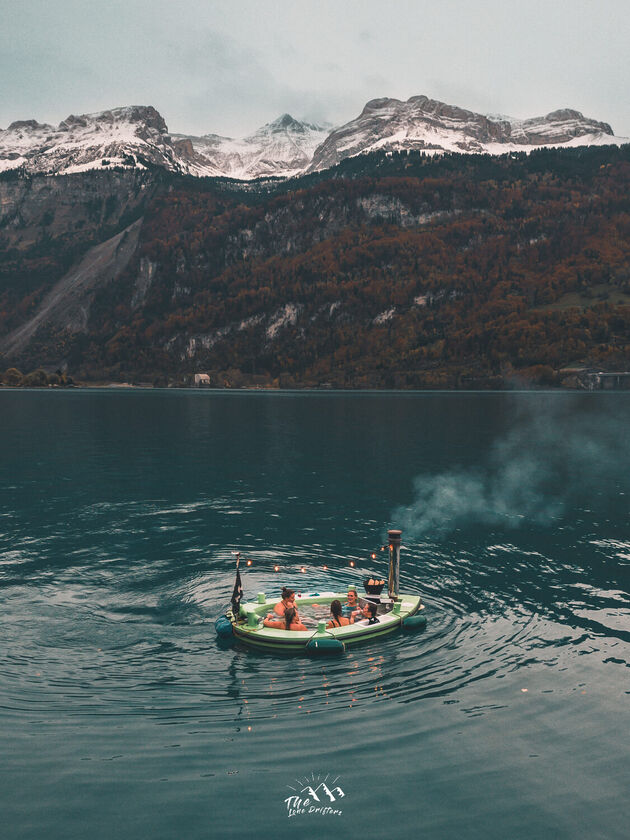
(399, 271)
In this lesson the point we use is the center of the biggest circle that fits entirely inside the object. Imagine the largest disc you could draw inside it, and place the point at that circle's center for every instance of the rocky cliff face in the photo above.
(66, 307)
(137, 137)
(51, 260)
(393, 262)
(561, 126)
(282, 148)
(428, 125)
(69, 209)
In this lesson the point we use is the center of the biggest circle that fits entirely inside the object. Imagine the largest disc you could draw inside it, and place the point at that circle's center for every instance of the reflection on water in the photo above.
(117, 540)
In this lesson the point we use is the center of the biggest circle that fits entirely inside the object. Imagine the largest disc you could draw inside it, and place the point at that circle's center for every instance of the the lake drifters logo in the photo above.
(315, 796)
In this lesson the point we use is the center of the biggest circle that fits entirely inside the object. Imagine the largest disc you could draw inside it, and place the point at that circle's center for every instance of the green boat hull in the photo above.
(250, 630)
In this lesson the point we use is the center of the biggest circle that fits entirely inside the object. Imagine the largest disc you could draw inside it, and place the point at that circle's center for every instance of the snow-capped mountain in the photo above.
(137, 136)
(434, 127)
(563, 126)
(283, 148)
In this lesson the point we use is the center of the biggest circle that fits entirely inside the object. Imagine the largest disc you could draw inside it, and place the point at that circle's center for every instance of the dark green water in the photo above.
(121, 715)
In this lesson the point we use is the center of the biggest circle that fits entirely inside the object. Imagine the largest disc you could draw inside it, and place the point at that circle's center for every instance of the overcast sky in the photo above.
(230, 66)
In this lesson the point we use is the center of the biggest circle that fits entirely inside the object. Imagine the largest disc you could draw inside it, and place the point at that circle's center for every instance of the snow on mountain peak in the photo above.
(27, 125)
(131, 135)
(281, 148)
(435, 127)
(286, 122)
(137, 135)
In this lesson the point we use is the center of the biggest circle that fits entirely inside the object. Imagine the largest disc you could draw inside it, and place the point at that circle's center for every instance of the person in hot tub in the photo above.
(368, 611)
(291, 621)
(287, 600)
(337, 620)
(351, 604)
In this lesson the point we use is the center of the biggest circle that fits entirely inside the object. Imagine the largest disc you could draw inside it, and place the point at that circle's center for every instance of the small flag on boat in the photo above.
(237, 594)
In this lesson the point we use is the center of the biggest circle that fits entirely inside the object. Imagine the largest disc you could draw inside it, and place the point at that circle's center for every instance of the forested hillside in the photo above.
(387, 271)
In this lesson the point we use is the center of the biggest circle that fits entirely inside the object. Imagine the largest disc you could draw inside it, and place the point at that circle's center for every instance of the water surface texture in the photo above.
(120, 513)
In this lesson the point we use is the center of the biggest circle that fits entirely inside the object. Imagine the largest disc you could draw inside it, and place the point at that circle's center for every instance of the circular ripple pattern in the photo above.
(119, 517)
(116, 638)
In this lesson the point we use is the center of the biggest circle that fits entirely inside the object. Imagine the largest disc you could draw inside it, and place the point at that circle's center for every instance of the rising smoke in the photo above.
(557, 450)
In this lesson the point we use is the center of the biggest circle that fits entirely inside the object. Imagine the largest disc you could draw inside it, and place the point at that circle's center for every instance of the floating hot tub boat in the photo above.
(397, 610)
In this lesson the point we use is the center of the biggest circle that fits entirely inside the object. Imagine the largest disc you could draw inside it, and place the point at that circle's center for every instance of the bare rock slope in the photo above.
(67, 304)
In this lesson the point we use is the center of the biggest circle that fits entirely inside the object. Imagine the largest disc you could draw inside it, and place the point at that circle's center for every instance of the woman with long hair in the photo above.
(368, 611)
(337, 620)
(291, 621)
(287, 600)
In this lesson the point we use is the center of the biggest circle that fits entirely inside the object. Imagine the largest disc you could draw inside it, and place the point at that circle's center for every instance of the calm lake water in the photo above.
(121, 715)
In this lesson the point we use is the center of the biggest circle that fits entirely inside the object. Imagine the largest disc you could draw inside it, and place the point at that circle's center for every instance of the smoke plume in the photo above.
(557, 450)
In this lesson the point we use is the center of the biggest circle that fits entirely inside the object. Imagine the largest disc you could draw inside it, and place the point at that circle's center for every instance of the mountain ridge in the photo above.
(428, 125)
(137, 136)
(283, 147)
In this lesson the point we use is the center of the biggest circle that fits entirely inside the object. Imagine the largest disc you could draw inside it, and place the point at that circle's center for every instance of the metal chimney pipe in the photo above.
(394, 563)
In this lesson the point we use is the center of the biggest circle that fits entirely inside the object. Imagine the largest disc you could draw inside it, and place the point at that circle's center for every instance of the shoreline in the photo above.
(128, 387)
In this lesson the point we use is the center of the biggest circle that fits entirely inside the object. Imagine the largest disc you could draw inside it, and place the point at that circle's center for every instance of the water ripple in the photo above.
(118, 639)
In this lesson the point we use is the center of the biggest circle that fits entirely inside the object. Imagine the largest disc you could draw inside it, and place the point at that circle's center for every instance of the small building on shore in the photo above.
(202, 380)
